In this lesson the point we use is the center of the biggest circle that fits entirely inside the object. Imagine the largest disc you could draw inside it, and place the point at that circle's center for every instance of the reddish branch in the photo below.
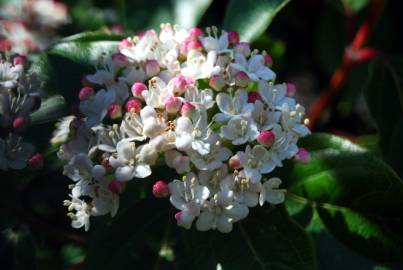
(354, 54)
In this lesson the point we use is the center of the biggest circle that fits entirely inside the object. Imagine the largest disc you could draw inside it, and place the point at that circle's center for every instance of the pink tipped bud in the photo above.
(234, 162)
(160, 189)
(20, 123)
(243, 48)
(172, 104)
(116, 186)
(133, 105)
(85, 93)
(268, 60)
(117, 28)
(303, 155)
(114, 111)
(178, 216)
(241, 79)
(179, 85)
(194, 45)
(187, 109)
(120, 58)
(85, 81)
(152, 68)
(124, 43)
(233, 37)
(217, 82)
(266, 138)
(137, 89)
(195, 32)
(20, 60)
(35, 162)
(183, 48)
(291, 89)
(253, 96)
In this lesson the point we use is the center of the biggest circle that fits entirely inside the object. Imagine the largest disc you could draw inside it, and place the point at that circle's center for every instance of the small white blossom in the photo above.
(271, 193)
(254, 67)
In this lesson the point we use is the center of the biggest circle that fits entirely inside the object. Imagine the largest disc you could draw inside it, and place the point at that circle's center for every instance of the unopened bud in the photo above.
(137, 89)
(160, 189)
(291, 89)
(241, 79)
(20, 123)
(234, 162)
(179, 84)
(35, 162)
(20, 60)
(85, 93)
(98, 171)
(124, 43)
(233, 37)
(268, 60)
(217, 82)
(116, 186)
(253, 96)
(133, 105)
(194, 45)
(172, 104)
(195, 33)
(114, 111)
(266, 138)
(303, 155)
(187, 109)
(152, 68)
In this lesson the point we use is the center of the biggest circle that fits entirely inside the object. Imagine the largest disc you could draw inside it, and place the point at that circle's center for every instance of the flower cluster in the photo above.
(30, 25)
(18, 98)
(200, 102)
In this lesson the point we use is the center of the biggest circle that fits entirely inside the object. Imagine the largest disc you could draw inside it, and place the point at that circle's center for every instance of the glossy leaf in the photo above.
(384, 94)
(251, 17)
(51, 109)
(189, 12)
(358, 197)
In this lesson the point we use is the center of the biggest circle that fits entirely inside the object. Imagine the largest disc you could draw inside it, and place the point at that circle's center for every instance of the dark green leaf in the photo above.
(357, 5)
(251, 17)
(357, 197)
(51, 109)
(189, 12)
(384, 94)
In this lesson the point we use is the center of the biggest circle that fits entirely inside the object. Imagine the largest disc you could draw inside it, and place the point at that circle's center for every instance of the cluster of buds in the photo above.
(29, 25)
(18, 99)
(186, 99)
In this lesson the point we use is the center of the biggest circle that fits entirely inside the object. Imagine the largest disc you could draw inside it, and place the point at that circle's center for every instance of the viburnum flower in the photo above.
(198, 103)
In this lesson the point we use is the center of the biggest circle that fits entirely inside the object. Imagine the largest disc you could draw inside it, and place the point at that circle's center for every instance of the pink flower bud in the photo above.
(116, 186)
(194, 45)
(133, 105)
(217, 82)
(117, 28)
(20, 123)
(85, 93)
(291, 89)
(241, 79)
(187, 109)
(243, 48)
(172, 104)
(137, 89)
(268, 60)
(124, 43)
(152, 68)
(85, 81)
(160, 189)
(35, 162)
(179, 85)
(114, 111)
(303, 155)
(183, 48)
(20, 60)
(120, 58)
(253, 96)
(195, 33)
(234, 162)
(266, 138)
(233, 37)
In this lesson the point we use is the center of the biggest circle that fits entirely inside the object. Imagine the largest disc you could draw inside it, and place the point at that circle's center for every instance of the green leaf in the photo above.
(62, 66)
(384, 94)
(251, 17)
(189, 12)
(357, 5)
(358, 198)
(51, 109)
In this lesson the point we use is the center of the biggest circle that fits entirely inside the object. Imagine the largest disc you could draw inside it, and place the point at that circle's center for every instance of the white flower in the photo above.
(188, 195)
(199, 66)
(255, 162)
(177, 161)
(79, 168)
(264, 117)
(192, 134)
(107, 137)
(14, 153)
(217, 44)
(291, 120)
(219, 214)
(49, 13)
(81, 217)
(132, 126)
(245, 190)
(274, 95)
(232, 106)
(106, 75)
(127, 162)
(9, 75)
(144, 47)
(212, 178)
(240, 129)
(254, 67)
(203, 97)
(95, 108)
(62, 131)
(271, 193)
(156, 94)
(153, 123)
